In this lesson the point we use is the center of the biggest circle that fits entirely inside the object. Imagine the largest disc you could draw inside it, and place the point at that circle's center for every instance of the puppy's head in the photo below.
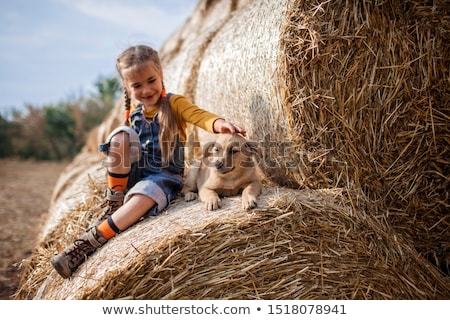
(230, 152)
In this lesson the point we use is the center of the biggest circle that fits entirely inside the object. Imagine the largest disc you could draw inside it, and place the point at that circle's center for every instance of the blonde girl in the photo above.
(151, 143)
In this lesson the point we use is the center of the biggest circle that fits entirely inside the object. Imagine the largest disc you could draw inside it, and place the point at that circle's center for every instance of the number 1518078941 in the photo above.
(306, 309)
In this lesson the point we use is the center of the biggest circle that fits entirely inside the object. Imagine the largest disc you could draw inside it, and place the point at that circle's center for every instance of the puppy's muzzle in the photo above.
(219, 164)
(222, 167)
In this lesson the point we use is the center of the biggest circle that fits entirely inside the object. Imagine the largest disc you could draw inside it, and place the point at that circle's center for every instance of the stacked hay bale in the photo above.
(237, 78)
(350, 94)
(367, 84)
(183, 52)
(349, 101)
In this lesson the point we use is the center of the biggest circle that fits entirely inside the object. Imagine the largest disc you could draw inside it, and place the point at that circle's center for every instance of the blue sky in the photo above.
(54, 50)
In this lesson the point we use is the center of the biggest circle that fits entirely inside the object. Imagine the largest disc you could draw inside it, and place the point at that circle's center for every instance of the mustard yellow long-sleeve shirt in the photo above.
(186, 112)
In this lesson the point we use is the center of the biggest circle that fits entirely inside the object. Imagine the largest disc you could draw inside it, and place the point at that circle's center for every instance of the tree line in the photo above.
(57, 131)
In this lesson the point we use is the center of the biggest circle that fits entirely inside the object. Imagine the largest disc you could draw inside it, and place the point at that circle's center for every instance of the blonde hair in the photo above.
(134, 57)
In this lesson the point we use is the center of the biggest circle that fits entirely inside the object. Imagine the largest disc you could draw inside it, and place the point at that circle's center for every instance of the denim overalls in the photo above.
(161, 183)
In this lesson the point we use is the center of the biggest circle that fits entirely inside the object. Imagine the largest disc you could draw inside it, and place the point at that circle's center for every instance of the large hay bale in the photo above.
(368, 85)
(241, 82)
(348, 94)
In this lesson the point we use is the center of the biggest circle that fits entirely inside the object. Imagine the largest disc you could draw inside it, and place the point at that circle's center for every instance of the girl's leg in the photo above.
(118, 167)
(128, 214)
(118, 161)
(133, 210)
(70, 259)
(118, 155)
(118, 164)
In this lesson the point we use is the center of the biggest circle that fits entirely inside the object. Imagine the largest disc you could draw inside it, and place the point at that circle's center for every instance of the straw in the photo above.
(349, 102)
(306, 244)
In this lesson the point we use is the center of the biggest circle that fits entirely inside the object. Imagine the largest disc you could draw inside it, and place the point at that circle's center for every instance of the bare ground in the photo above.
(27, 188)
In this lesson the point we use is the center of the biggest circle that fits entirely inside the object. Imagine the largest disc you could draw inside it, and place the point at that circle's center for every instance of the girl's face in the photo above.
(144, 84)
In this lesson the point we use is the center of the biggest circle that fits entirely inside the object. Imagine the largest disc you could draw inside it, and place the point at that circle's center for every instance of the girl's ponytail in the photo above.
(168, 128)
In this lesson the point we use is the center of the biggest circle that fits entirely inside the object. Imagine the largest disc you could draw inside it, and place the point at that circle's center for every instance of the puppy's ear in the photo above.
(253, 148)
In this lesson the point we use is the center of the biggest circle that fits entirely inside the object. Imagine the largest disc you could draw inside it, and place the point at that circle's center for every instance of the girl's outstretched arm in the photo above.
(222, 126)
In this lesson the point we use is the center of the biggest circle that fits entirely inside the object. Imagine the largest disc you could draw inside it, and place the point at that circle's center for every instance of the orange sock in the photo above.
(106, 230)
(117, 181)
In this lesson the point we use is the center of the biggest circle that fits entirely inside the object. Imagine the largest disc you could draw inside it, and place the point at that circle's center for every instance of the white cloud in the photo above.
(138, 16)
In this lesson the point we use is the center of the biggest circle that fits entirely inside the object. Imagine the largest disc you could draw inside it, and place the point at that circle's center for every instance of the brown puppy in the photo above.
(227, 168)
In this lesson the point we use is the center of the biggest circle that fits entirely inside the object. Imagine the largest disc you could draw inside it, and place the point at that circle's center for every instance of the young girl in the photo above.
(153, 141)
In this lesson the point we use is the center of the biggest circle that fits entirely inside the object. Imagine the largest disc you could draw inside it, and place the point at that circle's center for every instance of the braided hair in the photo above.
(134, 57)
(127, 105)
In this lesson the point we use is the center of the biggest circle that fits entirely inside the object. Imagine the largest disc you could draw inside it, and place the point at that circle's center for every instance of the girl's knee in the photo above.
(119, 140)
(117, 154)
(122, 147)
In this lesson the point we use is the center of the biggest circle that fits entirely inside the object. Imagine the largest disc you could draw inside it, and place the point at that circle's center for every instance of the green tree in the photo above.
(108, 90)
(101, 103)
(56, 132)
(27, 134)
(60, 131)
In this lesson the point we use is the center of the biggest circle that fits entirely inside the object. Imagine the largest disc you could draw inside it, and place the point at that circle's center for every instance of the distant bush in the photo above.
(57, 132)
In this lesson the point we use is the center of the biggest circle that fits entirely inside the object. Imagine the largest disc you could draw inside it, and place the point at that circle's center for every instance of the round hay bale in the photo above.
(205, 16)
(348, 94)
(71, 188)
(182, 52)
(309, 244)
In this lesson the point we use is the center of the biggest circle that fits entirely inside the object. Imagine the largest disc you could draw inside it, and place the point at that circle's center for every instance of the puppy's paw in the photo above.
(248, 202)
(212, 203)
(190, 196)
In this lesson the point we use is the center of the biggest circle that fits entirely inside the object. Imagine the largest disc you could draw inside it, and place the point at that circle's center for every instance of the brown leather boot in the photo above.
(74, 255)
(114, 200)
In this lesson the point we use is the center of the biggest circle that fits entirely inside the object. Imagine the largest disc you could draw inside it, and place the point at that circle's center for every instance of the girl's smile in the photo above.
(144, 84)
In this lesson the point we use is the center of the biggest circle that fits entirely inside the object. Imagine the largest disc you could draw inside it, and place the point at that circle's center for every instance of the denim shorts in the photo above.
(163, 187)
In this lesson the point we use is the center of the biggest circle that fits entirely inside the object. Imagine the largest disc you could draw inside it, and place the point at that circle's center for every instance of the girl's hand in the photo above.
(222, 126)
